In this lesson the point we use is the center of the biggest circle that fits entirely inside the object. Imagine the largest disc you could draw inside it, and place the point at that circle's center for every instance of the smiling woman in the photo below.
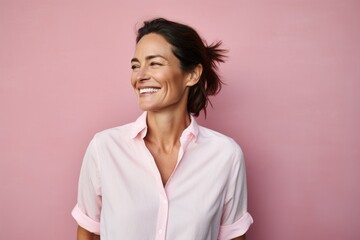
(157, 78)
(164, 176)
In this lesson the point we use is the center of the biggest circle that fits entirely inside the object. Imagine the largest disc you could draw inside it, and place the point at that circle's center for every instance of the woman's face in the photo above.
(157, 79)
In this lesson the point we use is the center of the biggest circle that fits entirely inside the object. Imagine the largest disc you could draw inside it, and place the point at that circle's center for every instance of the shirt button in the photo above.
(160, 230)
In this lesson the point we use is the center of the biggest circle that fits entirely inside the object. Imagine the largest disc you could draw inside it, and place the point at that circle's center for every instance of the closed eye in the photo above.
(133, 67)
(155, 64)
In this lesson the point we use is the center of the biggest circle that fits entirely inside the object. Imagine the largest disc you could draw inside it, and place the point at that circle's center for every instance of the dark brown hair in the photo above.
(191, 50)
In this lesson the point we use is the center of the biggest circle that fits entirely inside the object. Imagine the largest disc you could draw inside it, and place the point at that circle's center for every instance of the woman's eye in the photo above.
(134, 67)
(155, 64)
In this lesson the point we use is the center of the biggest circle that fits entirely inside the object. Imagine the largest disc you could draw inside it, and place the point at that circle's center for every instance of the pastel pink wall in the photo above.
(292, 101)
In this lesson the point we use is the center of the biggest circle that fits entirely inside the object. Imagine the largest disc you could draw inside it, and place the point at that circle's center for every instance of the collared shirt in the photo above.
(121, 194)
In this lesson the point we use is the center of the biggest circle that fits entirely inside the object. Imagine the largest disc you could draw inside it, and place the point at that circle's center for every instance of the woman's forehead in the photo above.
(153, 44)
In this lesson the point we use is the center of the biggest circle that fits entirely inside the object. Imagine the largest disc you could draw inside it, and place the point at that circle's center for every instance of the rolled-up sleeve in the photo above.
(235, 218)
(88, 208)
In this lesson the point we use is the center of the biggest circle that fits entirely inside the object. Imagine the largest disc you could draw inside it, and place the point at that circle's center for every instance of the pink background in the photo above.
(292, 102)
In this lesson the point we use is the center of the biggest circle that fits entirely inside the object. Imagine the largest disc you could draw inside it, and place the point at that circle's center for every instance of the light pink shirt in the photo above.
(121, 195)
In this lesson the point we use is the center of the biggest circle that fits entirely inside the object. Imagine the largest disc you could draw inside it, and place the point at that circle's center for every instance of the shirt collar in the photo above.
(139, 128)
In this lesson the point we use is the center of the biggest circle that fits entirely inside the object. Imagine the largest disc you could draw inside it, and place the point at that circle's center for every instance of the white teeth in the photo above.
(148, 90)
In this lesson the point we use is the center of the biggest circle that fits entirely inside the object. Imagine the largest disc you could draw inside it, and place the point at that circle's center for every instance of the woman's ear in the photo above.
(194, 75)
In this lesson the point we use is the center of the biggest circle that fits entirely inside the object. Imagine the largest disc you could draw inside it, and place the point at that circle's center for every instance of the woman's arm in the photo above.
(83, 234)
(243, 237)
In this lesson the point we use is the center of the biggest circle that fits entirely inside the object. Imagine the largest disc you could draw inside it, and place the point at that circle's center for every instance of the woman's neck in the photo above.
(165, 129)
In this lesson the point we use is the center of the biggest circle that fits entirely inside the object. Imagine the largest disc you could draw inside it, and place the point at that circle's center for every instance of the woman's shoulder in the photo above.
(215, 143)
(121, 132)
(218, 138)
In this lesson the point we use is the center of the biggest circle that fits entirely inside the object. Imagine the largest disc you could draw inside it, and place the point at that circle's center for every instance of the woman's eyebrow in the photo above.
(148, 58)
(134, 60)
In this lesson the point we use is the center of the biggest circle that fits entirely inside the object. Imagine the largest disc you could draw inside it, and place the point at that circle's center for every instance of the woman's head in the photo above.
(191, 51)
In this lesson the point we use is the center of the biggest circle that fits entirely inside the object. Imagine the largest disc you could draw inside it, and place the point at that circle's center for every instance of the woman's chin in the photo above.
(147, 107)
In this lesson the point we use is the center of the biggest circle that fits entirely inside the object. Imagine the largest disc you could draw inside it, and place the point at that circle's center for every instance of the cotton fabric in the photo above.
(121, 195)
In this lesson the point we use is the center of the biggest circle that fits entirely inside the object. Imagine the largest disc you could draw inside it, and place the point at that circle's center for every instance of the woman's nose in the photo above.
(142, 74)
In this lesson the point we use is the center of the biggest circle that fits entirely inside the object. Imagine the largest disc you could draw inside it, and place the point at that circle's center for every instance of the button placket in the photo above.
(162, 217)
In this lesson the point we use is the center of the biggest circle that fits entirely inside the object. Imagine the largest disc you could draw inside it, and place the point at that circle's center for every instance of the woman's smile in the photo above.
(143, 91)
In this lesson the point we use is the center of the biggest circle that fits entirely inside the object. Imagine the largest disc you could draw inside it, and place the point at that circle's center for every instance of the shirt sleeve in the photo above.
(235, 218)
(88, 208)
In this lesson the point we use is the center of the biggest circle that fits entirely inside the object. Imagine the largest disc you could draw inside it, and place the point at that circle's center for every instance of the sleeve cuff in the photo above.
(236, 229)
(84, 221)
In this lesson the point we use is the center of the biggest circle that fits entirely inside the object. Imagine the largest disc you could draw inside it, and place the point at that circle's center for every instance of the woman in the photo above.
(163, 176)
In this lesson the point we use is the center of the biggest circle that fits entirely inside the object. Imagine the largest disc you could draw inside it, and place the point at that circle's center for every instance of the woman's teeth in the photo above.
(148, 90)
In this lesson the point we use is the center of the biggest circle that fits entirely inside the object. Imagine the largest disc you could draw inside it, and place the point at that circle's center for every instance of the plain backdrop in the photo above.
(291, 101)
